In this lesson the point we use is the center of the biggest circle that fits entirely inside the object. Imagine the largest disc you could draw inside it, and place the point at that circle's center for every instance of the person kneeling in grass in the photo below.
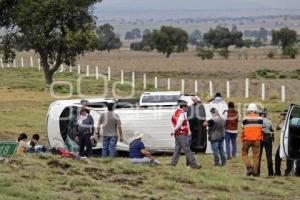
(138, 153)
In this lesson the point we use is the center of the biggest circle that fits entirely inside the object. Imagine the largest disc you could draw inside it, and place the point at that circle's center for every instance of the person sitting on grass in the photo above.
(23, 146)
(138, 153)
(34, 144)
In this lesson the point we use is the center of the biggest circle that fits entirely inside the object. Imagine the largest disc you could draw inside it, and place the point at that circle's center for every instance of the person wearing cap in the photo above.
(138, 153)
(231, 130)
(196, 116)
(85, 130)
(111, 125)
(181, 131)
(268, 138)
(289, 162)
(216, 135)
(218, 103)
(252, 136)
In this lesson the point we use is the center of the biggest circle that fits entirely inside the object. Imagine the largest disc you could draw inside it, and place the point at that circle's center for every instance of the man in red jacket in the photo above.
(180, 131)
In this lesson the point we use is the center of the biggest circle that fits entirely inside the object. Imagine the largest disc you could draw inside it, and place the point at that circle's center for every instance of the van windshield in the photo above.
(160, 98)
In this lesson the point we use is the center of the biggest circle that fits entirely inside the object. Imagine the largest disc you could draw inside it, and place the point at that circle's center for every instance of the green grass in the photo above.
(52, 177)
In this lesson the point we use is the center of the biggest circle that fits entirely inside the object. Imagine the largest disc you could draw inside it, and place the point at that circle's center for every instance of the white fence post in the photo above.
(31, 61)
(39, 64)
(133, 79)
(169, 83)
(211, 89)
(108, 74)
(196, 87)
(1, 62)
(155, 82)
(228, 89)
(22, 62)
(14, 63)
(263, 92)
(247, 88)
(283, 93)
(70, 68)
(7, 65)
(78, 69)
(144, 81)
(97, 72)
(182, 85)
(87, 70)
(122, 77)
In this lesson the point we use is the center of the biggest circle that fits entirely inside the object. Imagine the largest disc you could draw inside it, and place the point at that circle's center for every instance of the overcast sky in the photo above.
(197, 4)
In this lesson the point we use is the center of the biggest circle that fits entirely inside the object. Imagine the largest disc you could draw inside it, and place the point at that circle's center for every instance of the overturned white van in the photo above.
(151, 114)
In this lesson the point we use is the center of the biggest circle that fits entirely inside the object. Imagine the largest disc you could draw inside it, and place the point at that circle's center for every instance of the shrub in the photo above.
(205, 53)
(224, 53)
(290, 51)
(271, 54)
(147, 48)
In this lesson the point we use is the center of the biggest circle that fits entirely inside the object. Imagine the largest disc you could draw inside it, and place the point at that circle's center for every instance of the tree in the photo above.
(290, 51)
(107, 39)
(221, 37)
(170, 39)
(195, 37)
(58, 31)
(284, 37)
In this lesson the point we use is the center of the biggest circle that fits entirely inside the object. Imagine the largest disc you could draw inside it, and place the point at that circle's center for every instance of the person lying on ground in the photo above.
(65, 153)
(22, 144)
(138, 153)
(34, 144)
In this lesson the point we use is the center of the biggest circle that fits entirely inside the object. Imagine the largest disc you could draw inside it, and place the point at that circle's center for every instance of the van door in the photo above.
(290, 142)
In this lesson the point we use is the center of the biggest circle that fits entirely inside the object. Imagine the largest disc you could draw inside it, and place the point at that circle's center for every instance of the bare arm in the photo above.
(98, 128)
(147, 154)
(120, 133)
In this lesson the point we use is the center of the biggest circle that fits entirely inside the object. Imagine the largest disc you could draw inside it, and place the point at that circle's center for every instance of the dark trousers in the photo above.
(289, 164)
(267, 145)
(85, 144)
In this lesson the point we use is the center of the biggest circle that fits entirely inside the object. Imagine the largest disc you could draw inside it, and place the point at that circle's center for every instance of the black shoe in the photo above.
(249, 171)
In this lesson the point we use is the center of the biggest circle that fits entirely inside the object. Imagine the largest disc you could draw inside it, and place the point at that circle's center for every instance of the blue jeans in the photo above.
(217, 148)
(109, 144)
(230, 138)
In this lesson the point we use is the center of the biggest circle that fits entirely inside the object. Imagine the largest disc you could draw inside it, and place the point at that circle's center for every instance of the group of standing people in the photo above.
(257, 134)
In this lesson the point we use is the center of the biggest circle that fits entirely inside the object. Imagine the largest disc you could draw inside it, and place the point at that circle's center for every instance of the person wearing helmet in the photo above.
(180, 132)
(251, 138)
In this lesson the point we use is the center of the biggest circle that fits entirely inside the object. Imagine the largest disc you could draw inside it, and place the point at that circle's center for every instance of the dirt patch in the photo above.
(136, 181)
(96, 173)
(58, 164)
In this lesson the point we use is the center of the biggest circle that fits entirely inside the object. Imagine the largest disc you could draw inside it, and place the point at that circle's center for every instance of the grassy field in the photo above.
(23, 107)
(190, 67)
